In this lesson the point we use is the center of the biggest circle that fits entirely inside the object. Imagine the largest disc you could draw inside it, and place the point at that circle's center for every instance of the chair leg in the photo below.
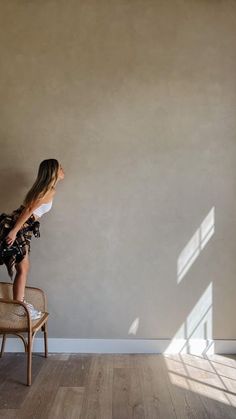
(45, 332)
(29, 359)
(3, 343)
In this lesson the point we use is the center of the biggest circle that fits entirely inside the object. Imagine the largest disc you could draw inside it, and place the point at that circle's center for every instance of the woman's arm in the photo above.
(25, 214)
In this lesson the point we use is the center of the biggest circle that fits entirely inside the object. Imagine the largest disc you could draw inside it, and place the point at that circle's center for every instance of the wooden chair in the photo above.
(10, 323)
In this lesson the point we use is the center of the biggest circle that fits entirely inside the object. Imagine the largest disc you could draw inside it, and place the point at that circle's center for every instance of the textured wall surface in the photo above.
(137, 100)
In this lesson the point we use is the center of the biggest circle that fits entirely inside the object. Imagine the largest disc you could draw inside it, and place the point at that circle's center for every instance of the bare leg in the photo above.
(22, 269)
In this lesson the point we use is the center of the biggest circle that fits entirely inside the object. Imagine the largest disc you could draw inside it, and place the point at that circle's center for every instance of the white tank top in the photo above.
(42, 209)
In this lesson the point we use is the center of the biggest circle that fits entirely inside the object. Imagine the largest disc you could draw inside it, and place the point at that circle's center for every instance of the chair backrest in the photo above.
(6, 290)
(35, 296)
(9, 321)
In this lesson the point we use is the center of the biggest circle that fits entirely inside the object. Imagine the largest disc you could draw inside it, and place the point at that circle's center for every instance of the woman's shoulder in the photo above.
(48, 196)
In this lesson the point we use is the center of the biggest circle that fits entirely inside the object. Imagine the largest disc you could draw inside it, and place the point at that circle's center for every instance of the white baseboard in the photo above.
(125, 346)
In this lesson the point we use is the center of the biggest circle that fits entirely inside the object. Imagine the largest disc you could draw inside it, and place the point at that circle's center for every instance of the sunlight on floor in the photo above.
(212, 376)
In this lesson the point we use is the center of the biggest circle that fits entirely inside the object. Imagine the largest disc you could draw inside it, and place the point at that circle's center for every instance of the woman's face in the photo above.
(61, 173)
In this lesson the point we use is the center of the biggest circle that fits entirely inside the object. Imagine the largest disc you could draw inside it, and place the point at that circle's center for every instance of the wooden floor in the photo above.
(104, 386)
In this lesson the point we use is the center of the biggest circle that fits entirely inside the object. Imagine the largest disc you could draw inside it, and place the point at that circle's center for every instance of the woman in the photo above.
(17, 228)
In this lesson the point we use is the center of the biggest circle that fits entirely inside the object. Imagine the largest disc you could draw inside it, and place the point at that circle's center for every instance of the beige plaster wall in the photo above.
(137, 100)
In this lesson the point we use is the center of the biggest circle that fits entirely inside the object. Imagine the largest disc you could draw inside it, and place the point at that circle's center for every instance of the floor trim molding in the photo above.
(192, 346)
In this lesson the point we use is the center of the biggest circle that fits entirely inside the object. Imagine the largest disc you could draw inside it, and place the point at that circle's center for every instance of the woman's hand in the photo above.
(11, 237)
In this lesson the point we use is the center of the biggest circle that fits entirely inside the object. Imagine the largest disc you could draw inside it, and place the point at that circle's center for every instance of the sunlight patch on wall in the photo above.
(195, 333)
(195, 245)
(134, 327)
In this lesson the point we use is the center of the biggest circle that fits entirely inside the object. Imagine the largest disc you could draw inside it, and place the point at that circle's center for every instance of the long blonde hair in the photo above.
(46, 179)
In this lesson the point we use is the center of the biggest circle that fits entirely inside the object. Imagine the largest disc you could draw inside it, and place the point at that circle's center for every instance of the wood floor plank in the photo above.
(5, 360)
(67, 403)
(97, 402)
(59, 357)
(9, 413)
(127, 400)
(135, 395)
(157, 399)
(76, 371)
(123, 360)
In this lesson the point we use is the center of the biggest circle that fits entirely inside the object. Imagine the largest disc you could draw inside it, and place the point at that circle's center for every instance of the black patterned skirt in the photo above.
(17, 251)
